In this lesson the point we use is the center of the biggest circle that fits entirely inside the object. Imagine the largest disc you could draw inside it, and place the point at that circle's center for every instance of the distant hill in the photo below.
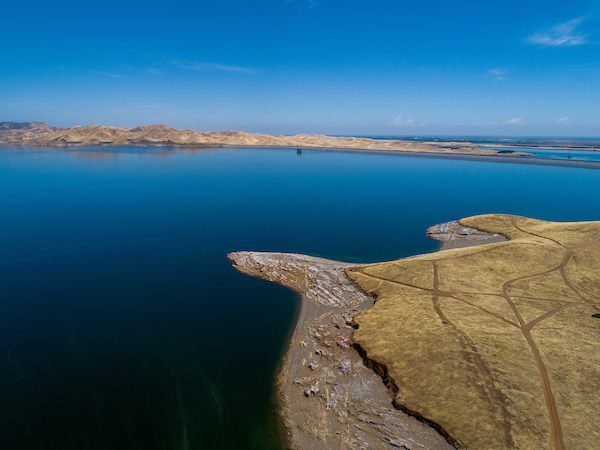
(39, 126)
(17, 125)
(37, 133)
(25, 132)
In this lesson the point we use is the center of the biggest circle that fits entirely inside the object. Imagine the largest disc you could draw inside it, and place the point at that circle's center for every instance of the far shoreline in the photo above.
(518, 159)
(440, 155)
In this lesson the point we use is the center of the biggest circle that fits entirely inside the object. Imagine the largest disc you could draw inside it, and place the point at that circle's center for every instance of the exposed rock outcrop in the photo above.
(329, 398)
(320, 280)
(454, 235)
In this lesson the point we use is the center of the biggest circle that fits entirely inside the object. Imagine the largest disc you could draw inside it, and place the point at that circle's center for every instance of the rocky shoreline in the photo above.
(331, 395)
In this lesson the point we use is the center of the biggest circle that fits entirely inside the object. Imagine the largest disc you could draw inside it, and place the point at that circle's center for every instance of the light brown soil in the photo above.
(496, 344)
(164, 135)
(331, 396)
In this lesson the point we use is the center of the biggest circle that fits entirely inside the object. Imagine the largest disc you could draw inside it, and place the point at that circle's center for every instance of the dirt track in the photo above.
(471, 343)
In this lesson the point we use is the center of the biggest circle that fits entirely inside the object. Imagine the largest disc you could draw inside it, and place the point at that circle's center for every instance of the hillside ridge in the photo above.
(38, 133)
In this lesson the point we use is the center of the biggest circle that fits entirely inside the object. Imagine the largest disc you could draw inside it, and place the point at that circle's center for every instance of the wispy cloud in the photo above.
(563, 121)
(208, 66)
(589, 69)
(561, 35)
(514, 122)
(108, 74)
(498, 73)
(408, 122)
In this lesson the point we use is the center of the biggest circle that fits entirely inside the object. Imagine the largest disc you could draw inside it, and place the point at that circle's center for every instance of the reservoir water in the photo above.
(122, 324)
(559, 154)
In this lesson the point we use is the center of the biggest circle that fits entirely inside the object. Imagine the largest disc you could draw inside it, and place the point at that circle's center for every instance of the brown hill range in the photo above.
(37, 133)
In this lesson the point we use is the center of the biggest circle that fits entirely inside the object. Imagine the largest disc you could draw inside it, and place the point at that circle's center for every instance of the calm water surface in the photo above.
(122, 324)
(576, 155)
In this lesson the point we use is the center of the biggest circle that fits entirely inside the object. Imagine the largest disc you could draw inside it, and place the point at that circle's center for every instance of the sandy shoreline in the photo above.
(330, 396)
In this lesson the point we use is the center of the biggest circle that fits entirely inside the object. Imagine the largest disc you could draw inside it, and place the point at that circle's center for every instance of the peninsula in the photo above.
(493, 345)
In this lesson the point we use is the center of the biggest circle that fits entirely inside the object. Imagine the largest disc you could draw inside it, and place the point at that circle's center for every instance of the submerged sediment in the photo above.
(331, 394)
(329, 397)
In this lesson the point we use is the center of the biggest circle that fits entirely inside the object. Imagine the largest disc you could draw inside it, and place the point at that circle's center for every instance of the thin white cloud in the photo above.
(514, 122)
(498, 73)
(561, 35)
(563, 120)
(108, 74)
(408, 122)
(203, 66)
(592, 68)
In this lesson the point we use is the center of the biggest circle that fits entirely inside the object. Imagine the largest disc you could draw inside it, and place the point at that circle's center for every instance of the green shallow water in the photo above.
(122, 324)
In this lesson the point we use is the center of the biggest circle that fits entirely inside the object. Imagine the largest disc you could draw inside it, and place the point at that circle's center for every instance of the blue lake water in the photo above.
(122, 324)
(576, 155)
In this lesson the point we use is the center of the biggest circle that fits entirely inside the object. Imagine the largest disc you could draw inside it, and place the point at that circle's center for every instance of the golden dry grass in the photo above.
(496, 344)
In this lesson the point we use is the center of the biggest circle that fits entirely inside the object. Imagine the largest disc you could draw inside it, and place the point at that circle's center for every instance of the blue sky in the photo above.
(512, 68)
